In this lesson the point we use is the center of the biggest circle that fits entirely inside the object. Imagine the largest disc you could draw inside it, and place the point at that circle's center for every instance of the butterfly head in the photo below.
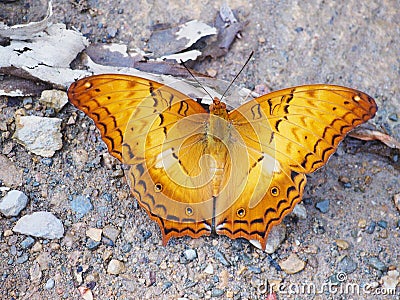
(218, 108)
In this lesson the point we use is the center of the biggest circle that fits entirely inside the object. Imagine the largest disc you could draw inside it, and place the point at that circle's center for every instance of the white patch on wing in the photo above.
(220, 226)
(208, 227)
(165, 159)
(270, 164)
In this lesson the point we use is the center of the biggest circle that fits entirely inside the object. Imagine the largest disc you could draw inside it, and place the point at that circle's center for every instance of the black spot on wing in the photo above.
(140, 168)
(256, 112)
(161, 119)
(128, 150)
(257, 221)
(183, 108)
(277, 125)
(143, 184)
(172, 218)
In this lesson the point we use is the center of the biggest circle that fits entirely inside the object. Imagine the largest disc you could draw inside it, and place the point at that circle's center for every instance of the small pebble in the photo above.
(396, 199)
(377, 264)
(118, 173)
(221, 257)
(12, 203)
(190, 254)
(323, 206)
(145, 234)
(293, 264)
(115, 267)
(300, 211)
(391, 280)
(81, 205)
(112, 32)
(127, 247)
(382, 224)
(37, 247)
(393, 117)
(217, 292)
(111, 232)
(275, 238)
(211, 72)
(27, 242)
(209, 269)
(54, 99)
(362, 223)
(344, 179)
(371, 227)
(166, 285)
(49, 284)
(23, 258)
(8, 232)
(255, 270)
(383, 234)
(91, 244)
(347, 265)
(342, 244)
(48, 161)
(94, 234)
(41, 135)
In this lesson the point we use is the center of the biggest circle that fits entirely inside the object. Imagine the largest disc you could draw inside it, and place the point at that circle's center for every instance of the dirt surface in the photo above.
(347, 43)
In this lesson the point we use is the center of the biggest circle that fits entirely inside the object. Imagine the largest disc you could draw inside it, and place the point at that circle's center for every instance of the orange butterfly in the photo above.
(234, 173)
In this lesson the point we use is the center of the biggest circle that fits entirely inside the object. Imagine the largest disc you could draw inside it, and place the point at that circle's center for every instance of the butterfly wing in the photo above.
(159, 132)
(288, 134)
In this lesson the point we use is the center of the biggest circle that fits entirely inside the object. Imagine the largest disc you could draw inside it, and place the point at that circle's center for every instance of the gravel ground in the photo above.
(352, 223)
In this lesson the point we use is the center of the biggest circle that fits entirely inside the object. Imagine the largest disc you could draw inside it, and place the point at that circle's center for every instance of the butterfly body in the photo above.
(235, 173)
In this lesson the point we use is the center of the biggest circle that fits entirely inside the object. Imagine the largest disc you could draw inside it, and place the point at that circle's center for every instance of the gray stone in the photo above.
(275, 238)
(39, 135)
(377, 264)
(40, 224)
(12, 203)
(81, 205)
(347, 265)
(27, 243)
(23, 258)
(111, 232)
(323, 206)
(217, 292)
(221, 257)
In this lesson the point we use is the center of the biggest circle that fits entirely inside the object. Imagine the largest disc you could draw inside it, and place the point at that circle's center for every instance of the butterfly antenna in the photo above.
(237, 75)
(194, 77)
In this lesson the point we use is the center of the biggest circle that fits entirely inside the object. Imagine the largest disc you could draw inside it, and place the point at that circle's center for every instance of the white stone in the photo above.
(40, 224)
(300, 211)
(94, 234)
(54, 98)
(209, 269)
(12, 203)
(115, 267)
(40, 135)
(190, 254)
